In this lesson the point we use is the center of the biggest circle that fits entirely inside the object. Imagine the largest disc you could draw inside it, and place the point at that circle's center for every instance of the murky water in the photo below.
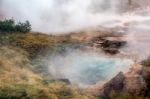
(84, 68)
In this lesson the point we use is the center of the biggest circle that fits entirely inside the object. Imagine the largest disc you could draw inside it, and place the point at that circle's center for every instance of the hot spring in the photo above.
(84, 68)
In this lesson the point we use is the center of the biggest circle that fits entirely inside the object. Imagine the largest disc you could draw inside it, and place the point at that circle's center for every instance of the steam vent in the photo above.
(74, 49)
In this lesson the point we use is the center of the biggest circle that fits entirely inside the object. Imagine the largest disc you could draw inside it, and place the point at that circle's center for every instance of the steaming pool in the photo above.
(83, 68)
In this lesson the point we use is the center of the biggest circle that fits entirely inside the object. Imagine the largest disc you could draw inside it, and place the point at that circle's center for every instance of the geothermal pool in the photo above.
(83, 68)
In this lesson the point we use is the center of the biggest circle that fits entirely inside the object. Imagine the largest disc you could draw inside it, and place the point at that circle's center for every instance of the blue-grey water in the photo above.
(84, 68)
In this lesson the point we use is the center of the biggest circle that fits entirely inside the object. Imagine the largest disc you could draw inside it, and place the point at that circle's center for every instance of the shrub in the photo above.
(10, 26)
(23, 27)
(7, 25)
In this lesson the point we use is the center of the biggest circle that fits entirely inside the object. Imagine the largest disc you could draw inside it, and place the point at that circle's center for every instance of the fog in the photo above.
(85, 68)
(61, 16)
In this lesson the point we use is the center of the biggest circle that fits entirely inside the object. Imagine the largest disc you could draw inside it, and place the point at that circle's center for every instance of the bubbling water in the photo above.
(87, 69)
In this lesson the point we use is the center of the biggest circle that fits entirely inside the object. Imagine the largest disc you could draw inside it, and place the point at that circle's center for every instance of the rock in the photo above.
(113, 44)
(116, 84)
(67, 81)
(112, 51)
(131, 82)
(63, 80)
(108, 46)
(134, 82)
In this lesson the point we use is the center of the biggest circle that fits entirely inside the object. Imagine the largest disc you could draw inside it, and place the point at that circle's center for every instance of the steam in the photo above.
(87, 68)
(62, 15)
(59, 16)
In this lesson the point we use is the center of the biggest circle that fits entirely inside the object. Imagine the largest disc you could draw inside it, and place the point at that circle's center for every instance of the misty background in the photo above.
(65, 15)
(61, 16)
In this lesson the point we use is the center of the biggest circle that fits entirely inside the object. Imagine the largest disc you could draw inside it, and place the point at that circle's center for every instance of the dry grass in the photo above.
(17, 81)
(36, 43)
(126, 96)
(15, 67)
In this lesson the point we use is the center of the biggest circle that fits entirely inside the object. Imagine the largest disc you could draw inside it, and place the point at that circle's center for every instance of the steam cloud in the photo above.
(87, 68)
(53, 16)
(61, 15)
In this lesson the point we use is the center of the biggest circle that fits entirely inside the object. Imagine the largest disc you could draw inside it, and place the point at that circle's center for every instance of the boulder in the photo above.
(131, 82)
(108, 46)
(134, 80)
(134, 84)
(66, 81)
(113, 44)
(116, 84)
(112, 51)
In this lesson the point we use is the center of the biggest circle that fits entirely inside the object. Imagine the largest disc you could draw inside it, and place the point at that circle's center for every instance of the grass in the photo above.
(126, 96)
(33, 43)
(39, 44)
(18, 81)
(17, 78)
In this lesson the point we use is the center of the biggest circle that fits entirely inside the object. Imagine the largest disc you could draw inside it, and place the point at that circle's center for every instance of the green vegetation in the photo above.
(11, 26)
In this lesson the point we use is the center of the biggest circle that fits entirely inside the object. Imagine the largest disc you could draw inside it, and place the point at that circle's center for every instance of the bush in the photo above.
(7, 25)
(23, 27)
(11, 26)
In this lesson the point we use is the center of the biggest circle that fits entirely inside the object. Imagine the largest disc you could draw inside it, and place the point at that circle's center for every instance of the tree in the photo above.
(11, 26)
(23, 27)
(7, 25)
(27, 26)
